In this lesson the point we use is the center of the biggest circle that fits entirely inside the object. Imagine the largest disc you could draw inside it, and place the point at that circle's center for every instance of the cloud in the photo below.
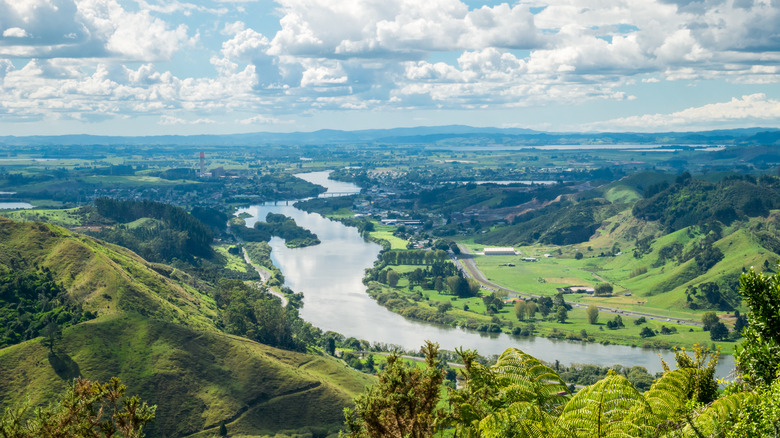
(172, 120)
(263, 120)
(403, 29)
(15, 32)
(109, 56)
(749, 109)
(85, 29)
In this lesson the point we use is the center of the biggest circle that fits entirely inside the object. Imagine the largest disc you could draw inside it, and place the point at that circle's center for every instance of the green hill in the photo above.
(670, 242)
(160, 336)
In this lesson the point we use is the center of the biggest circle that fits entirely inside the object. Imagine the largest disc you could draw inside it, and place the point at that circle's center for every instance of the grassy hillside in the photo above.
(665, 244)
(197, 379)
(159, 335)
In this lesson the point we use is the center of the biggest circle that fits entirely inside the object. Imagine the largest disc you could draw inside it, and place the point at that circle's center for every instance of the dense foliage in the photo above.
(562, 223)
(174, 233)
(691, 201)
(250, 311)
(286, 228)
(31, 300)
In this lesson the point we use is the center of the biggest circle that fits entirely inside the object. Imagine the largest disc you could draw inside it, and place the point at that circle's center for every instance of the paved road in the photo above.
(465, 262)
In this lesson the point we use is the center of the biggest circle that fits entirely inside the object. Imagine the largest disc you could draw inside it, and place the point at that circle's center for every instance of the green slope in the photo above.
(158, 335)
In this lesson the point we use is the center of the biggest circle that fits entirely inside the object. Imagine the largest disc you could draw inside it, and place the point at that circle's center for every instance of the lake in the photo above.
(15, 206)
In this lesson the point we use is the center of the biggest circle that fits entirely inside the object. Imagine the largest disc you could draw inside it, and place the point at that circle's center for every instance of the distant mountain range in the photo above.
(450, 135)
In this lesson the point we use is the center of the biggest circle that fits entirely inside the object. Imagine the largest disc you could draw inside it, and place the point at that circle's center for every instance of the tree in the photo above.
(330, 346)
(87, 410)
(603, 289)
(530, 309)
(222, 429)
(561, 315)
(709, 319)
(719, 332)
(520, 309)
(402, 403)
(545, 305)
(51, 334)
(759, 356)
(593, 314)
(392, 278)
(646, 332)
(578, 256)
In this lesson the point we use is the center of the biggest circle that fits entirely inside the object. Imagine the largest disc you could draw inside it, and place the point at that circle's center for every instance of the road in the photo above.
(265, 275)
(465, 262)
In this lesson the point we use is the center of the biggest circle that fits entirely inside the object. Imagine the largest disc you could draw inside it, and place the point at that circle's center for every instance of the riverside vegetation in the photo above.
(521, 397)
(656, 251)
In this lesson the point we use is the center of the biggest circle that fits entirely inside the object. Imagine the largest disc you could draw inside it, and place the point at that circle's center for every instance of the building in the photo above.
(500, 251)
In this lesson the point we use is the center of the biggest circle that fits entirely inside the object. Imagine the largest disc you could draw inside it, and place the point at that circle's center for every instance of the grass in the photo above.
(196, 379)
(144, 180)
(234, 262)
(661, 290)
(159, 336)
(385, 232)
(577, 321)
(64, 217)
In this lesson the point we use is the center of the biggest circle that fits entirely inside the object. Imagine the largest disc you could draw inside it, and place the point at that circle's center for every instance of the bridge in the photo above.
(335, 194)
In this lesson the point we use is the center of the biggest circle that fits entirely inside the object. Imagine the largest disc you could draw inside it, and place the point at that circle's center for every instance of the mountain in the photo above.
(160, 337)
(451, 134)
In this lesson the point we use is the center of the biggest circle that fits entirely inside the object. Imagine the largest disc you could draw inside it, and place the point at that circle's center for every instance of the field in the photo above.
(385, 232)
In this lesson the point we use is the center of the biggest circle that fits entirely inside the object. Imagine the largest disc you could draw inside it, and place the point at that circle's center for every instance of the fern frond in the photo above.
(605, 408)
(668, 396)
(523, 377)
(716, 419)
(520, 420)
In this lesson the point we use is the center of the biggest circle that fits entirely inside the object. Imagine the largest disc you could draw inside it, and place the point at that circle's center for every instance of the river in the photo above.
(330, 274)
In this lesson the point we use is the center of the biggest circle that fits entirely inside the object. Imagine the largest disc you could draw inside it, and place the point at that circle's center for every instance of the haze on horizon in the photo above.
(149, 67)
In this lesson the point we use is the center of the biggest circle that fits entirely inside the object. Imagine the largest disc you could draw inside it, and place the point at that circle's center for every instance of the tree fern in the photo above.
(605, 409)
(667, 398)
(717, 418)
(520, 420)
(522, 377)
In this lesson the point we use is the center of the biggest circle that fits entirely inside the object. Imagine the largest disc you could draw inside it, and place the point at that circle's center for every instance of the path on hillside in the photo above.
(465, 262)
(265, 275)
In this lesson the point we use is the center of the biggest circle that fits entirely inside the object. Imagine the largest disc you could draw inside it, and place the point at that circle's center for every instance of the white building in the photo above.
(500, 251)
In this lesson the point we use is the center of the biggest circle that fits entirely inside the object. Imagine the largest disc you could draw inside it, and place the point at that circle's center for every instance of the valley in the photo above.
(245, 291)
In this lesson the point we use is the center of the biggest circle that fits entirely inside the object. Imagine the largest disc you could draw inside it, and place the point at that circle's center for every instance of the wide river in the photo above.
(330, 274)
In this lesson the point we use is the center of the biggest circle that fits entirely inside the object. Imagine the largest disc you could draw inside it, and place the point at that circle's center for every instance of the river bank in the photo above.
(330, 277)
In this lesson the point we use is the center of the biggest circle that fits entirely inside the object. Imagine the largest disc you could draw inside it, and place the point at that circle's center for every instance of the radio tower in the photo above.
(202, 164)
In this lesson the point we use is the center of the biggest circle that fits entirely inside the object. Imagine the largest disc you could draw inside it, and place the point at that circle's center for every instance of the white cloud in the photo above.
(15, 32)
(403, 28)
(172, 120)
(84, 29)
(754, 108)
(262, 120)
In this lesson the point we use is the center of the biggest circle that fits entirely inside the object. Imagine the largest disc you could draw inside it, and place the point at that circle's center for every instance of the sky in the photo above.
(150, 67)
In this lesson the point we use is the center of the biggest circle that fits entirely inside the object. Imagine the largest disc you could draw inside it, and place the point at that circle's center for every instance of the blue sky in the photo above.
(146, 67)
